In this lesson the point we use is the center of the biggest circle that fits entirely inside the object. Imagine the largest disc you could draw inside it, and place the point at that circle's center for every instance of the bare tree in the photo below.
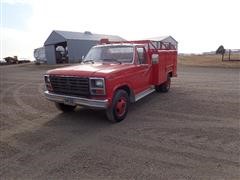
(221, 51)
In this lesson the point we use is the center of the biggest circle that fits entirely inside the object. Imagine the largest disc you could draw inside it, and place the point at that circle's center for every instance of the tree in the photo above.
(221, 51)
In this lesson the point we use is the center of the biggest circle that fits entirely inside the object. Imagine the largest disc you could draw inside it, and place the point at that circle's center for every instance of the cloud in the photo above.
(13, 43)
(17, 1)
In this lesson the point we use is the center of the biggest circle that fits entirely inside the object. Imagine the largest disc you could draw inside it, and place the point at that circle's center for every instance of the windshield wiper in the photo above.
(90, 60)
(112, 59)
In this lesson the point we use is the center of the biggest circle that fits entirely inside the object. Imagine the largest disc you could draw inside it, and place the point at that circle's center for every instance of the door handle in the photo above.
(145, 66)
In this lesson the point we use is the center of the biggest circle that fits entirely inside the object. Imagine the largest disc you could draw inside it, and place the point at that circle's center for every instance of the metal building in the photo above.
(70, 47)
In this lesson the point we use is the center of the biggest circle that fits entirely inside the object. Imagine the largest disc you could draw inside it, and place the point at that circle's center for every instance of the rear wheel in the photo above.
(164, 87)
(64, 107)
(119, 108)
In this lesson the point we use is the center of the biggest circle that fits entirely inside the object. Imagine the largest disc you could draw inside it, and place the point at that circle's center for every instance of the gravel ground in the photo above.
(192, 132)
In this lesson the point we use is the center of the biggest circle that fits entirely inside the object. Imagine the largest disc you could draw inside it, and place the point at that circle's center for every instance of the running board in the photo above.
(144, 93)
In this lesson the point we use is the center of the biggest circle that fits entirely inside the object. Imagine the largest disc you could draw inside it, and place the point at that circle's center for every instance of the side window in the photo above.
(141, 56)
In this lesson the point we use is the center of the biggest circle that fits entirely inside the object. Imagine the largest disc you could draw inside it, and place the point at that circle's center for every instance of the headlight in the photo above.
(99, 83)
(47, 79)
(97, 86)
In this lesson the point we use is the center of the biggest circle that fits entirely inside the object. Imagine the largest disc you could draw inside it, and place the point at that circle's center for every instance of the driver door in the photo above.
(143, 69)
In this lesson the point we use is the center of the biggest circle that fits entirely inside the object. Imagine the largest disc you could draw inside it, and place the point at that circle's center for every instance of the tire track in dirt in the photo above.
(193, 158)
(25, 107)
(58, 153)
(17, 113)
(30, 144)
(147, 167)
(165, 136)
(192, 132)
(193, 138)
(5, 98)
(22, 111)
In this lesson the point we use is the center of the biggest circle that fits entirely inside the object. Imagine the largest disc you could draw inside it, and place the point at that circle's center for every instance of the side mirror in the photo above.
(83, 57)
(155, 58)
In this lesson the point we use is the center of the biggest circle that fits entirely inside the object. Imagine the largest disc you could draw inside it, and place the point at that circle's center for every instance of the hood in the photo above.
(87, 70)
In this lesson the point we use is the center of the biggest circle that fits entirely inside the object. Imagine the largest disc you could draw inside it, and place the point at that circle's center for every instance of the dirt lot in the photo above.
(192, 132)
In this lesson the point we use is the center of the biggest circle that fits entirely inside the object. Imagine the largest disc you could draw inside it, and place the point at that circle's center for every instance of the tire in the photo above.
(164, 87)
(119, 108)
(157, 88)
(65, 108)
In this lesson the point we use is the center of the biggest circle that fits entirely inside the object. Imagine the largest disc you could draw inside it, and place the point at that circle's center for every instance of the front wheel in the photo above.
(64, 107)
(119, 108)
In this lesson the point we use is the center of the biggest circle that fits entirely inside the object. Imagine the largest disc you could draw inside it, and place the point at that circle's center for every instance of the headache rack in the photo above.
(150, 45)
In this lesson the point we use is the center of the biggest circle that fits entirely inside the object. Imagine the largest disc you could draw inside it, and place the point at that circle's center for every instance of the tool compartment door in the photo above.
(159, 67)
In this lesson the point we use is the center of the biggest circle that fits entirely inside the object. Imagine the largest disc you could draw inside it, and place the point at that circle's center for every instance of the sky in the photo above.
(198, 25)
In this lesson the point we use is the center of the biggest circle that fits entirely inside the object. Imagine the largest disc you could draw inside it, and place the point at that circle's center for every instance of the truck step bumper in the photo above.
(73, 100)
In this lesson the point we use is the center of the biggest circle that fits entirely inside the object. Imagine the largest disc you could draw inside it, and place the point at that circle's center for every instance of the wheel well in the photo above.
(128, 90)
(170, 74)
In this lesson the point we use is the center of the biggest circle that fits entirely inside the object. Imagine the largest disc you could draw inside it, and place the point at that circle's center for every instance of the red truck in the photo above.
(112, 76)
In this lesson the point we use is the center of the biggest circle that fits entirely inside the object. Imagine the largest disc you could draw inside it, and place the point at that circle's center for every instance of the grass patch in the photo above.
(207, 61)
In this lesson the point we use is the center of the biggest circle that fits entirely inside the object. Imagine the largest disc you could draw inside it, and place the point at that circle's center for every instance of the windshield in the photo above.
(120, 54)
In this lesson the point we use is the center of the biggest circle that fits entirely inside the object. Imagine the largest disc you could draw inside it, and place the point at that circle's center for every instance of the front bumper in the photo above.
(73, 100)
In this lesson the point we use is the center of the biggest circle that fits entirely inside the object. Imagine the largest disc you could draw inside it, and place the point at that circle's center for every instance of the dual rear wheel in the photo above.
(164, 87)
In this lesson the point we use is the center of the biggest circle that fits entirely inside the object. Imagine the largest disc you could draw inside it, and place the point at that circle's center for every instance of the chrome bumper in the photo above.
(73, 100)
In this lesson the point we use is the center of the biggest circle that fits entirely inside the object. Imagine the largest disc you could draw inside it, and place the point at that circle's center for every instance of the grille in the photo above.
(76, 86)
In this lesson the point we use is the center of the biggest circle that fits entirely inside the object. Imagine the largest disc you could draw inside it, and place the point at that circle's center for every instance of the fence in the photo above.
(232, 55)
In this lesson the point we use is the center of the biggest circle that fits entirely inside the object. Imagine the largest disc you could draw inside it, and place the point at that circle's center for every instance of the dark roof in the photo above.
(61, 36)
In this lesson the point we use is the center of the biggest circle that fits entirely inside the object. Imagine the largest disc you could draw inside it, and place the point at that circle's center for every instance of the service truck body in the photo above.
(113, 75)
